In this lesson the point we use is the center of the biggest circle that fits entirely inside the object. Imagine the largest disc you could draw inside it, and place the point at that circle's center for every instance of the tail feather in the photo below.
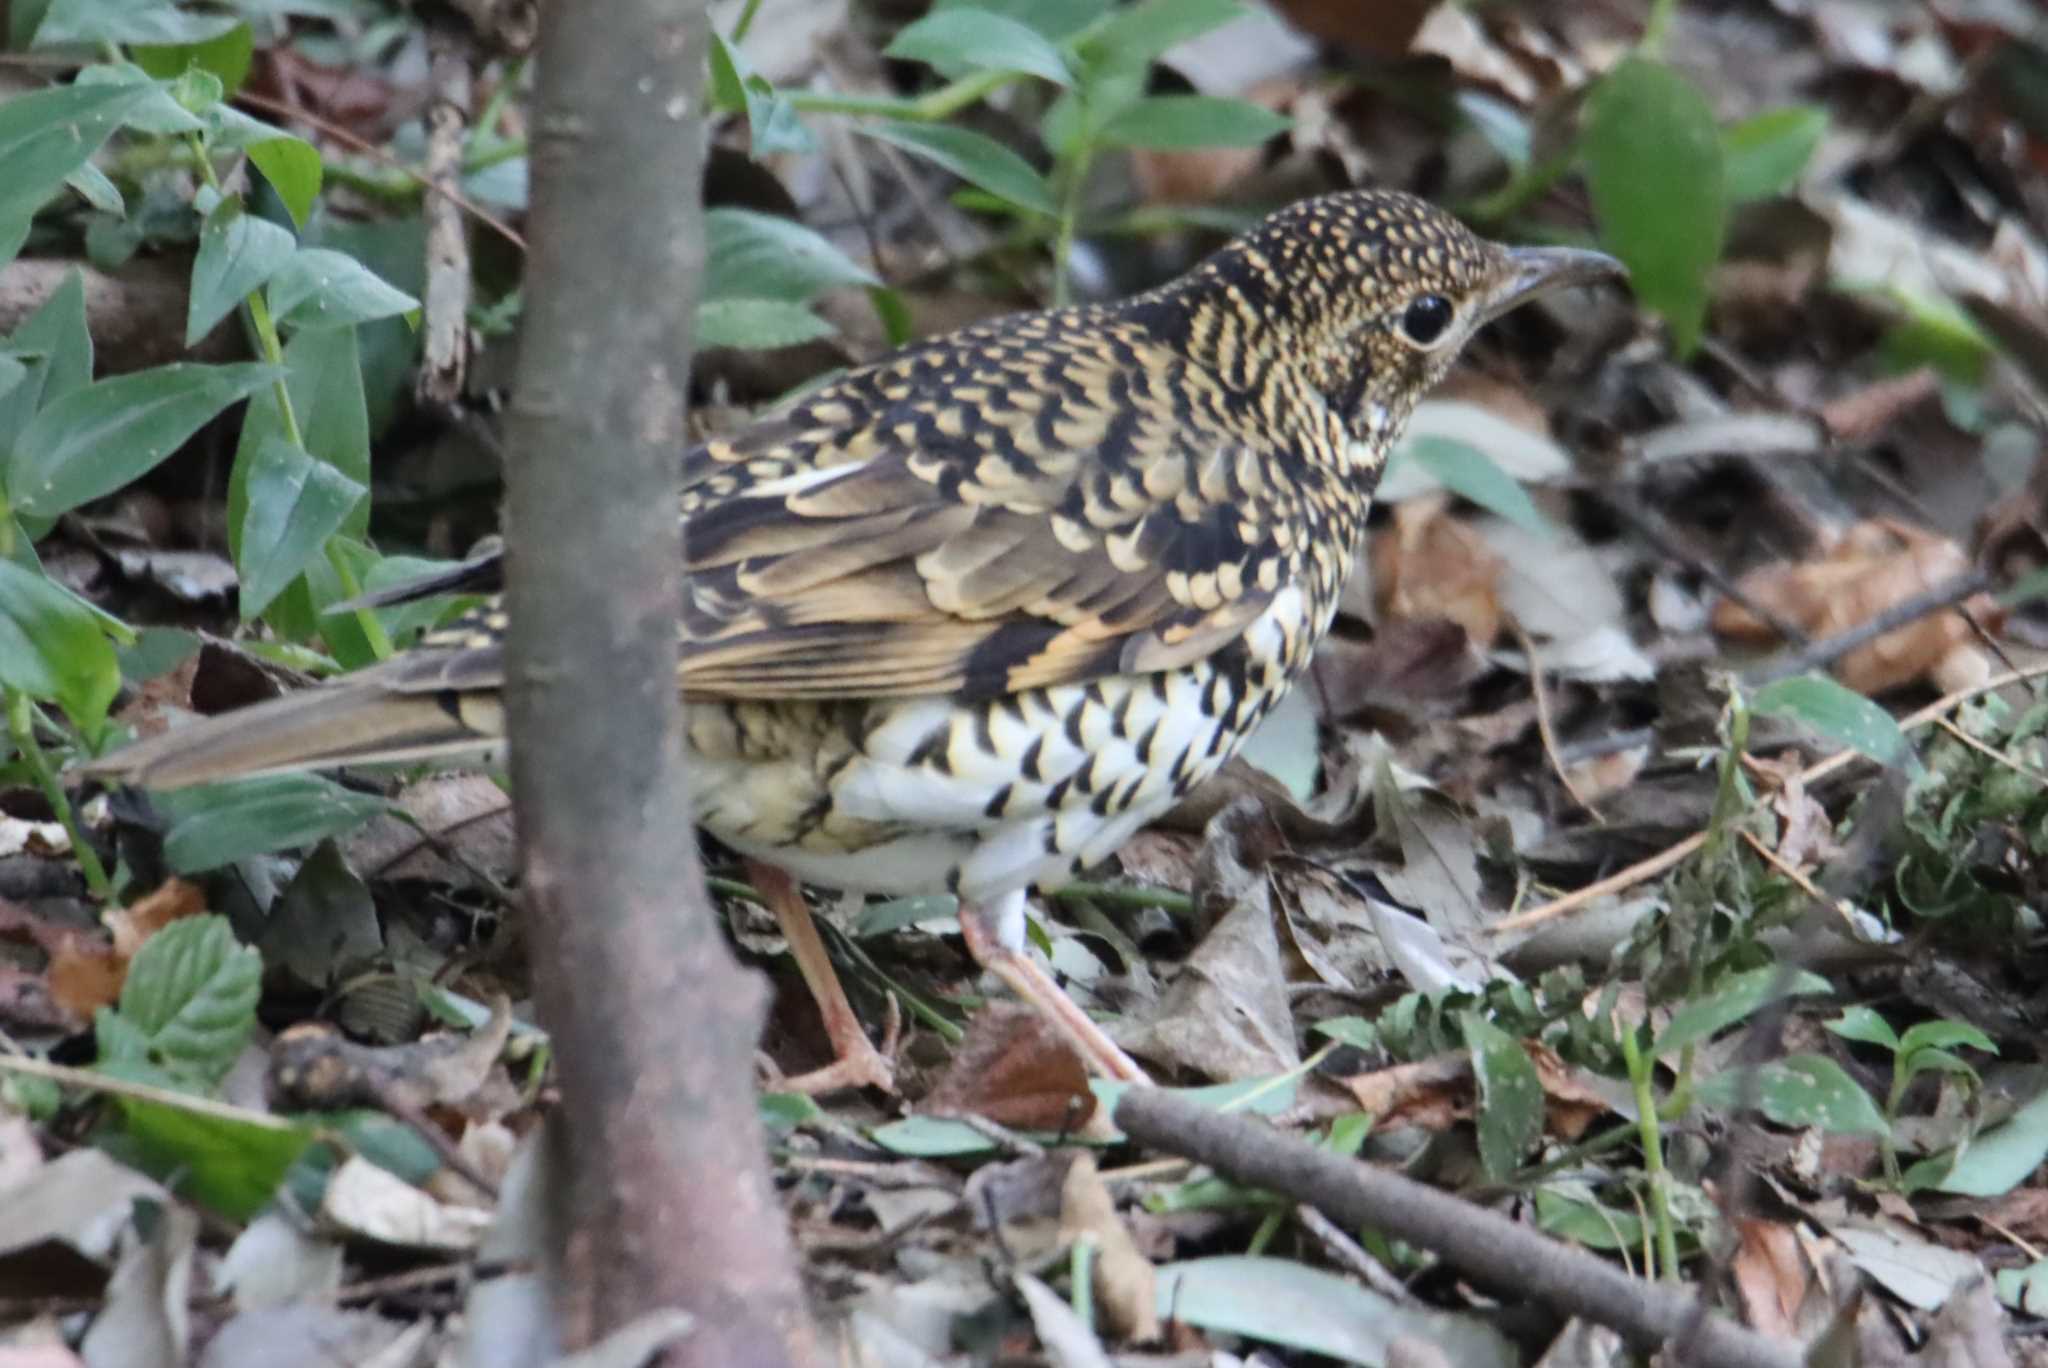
(351, 723)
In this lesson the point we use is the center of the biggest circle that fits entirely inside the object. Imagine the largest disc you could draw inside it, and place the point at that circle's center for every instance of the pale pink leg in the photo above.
(983, 929)
(857, 1063)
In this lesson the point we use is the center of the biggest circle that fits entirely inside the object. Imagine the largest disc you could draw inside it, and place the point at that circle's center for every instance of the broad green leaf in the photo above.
(764, 256)
(52, 648)
(46, 136)
(1573, 1215)
(325, 382)
(14, 225)
(1731, 1001)
(2025, 1289)
(976, 159)
(1510, 1096)
(1470, 473)
(156, 111)
(1945, 1035)
(879, 919)
(94, 440)
(238, 252)
(1057, 20)
(57, 337)
(1653, 160)
(1135, 35)
(319, 288)
(198, 90)
(295, 504)
(1861, 1023)
(1801, 1090)
(1183, 122)
(1280, 1301)
(1993, 1163)
(959, 40)
(189, 1001)
(1936, 331)
(1356, 1031)
(227, 58)
(229, 1166)
(1763, 156)
(13, 370)
(96, 22)
(217, 824)
(292, 166)
(759, 323)
(1836, 713)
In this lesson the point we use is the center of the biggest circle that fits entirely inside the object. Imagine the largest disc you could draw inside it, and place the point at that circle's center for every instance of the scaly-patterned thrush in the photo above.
(968, 617)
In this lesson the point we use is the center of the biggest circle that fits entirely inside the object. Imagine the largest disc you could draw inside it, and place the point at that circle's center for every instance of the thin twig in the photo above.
(1655, 530)
(89, 1081)
(1839, 906)
(444, 360)
(1544, 731)
(1991, 753)
(1826, 651)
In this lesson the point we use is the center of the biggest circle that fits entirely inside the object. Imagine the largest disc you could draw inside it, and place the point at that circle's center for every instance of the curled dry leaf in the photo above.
(1437, 1093)
(86, 973)
(1773, 1276)
(365, 1200)
(1123, 1275)
(1017, 1070)
(1871, 567)
(1429, 564)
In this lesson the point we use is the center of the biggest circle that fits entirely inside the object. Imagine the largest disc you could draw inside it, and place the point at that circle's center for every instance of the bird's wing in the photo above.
(976, 539)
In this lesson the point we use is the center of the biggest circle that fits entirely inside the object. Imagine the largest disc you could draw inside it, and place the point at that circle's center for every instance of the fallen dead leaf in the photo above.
(1772, 1276)
(1429, 564)
(1016, 1069)
(1871, 567)
(1123, 1275)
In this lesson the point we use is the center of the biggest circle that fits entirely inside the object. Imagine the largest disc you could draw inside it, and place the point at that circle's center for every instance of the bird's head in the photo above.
(1373, 293)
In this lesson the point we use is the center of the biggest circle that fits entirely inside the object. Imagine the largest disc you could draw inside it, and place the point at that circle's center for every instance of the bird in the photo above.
(969, 616)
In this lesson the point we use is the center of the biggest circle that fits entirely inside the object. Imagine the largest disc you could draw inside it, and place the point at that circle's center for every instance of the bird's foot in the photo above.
(858, 1064)
(1033, 984)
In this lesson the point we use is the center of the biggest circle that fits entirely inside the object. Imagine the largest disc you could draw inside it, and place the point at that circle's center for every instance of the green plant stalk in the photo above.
(1887, 1145)
(931, 107)
(21, 726)
(273, 353)
(1651, 1133)
(1115, 895)
(1264, 1235)
(1656, 26)
(1082, 1274)
(1071, 182)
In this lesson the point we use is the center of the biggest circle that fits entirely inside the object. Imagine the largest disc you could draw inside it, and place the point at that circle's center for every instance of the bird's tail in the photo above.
(351, 723)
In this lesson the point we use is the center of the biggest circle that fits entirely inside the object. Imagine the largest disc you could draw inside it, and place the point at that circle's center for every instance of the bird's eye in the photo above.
(1425, 321)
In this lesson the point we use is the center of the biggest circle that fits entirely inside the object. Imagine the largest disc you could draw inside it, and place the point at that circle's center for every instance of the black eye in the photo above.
(1424, 321)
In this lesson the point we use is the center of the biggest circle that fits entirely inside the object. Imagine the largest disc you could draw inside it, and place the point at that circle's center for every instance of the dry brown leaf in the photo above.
(1016, 1069)
(1876, 564)
(1434, 1093)
(1123, 1275)
(1570, 1104)
(1772, 1275)
(1430, 565)
(86, 973)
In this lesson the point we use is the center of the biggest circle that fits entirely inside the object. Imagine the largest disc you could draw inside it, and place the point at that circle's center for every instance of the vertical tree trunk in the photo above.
(653, 1020)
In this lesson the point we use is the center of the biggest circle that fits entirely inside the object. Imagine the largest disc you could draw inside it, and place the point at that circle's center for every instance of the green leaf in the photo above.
(1653, 160)
(1863, 1024)
(57, 338)
(1056, 20)
(1945, 1035)
(238, 252)
(1191, 121)
(1135, 35)
(758, 323)
(231, 1167)
(1571, 1214)
(319, 288)
(1731, 1001)
(323, 376)
(1510, 1096)
(1836, 713)
(2025, 1289)
(96, 22)
(1995, 1162)
(94, 440)
(101, 193)
(976, 159)
(227, 58)
(1356, 1031)
(157, 110)
(46, 136)
(764, 256)
(1763, 156)
(189, 1002)
(217, 824)
(1800, 1090)
(1470, 473)
(295, 504)
(960, 40)
(292, 166)
(773, 124)
(52, 648)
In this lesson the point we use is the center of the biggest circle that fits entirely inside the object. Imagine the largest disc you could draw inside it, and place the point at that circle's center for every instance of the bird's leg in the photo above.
(856, 1062)
(995, 936)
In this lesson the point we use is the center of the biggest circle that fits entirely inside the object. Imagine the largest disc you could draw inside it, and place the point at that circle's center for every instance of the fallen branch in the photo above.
(1497, 1251)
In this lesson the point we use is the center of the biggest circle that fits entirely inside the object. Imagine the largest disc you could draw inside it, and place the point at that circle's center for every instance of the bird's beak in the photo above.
(1535, 270)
